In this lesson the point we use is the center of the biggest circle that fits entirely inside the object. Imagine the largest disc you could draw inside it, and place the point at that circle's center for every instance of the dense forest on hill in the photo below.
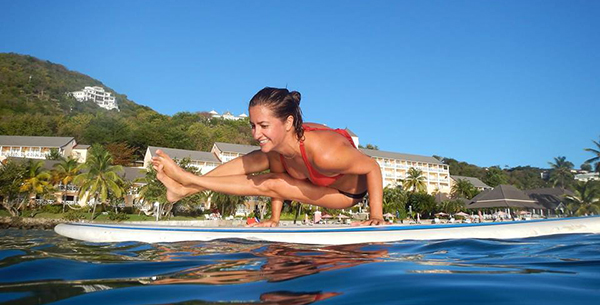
(34, 102)
(523, 177)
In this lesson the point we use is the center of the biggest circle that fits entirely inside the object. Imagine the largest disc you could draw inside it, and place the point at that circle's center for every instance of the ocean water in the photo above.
(41, 267)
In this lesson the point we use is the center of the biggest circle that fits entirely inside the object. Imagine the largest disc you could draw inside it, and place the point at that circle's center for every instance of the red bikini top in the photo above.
(316, 177)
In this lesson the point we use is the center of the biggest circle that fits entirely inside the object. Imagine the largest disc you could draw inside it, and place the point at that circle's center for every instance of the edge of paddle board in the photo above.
(329, 235)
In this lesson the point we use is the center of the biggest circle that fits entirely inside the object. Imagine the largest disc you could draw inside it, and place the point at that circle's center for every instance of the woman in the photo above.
(308, 163)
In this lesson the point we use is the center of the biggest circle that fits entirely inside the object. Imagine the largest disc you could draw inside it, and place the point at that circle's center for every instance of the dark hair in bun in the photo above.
(282, 103)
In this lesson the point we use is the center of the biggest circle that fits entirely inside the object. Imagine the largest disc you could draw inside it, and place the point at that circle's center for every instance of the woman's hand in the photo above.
(267, 223)
(371, 222)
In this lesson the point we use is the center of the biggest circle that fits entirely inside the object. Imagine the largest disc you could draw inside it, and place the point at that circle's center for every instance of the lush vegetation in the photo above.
(34, 101)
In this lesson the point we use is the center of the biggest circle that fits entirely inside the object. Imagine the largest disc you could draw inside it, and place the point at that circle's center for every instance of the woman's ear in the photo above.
(289, 123)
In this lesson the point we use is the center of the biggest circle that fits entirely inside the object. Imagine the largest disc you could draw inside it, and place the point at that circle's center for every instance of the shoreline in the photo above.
(7, 222)
(25, 223)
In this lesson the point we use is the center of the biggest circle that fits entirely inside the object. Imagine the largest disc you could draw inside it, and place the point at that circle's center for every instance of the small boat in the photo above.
(329, 235)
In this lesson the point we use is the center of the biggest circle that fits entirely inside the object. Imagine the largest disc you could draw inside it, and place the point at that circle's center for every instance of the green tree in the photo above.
(415, 181)
(585, 166)
(560, 174)
(422, 203)
(36, 180)
(121, 153)
(11, 178)
(100, 180)
(452, 206)
(369, 146)
(585, 199)
(226, 204)
(495, 176)
(64, 173)
(54, 155)
(596, 159)
(394, 200)
(463, 188)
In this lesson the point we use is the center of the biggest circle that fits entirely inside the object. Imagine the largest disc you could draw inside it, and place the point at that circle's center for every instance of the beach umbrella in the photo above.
(441, 214)
(503, 196)
(342, 216)
(462, 214)
(326, 216)
(388, 215)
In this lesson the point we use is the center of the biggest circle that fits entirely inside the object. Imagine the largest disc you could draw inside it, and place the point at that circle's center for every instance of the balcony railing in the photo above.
(20, 154)
(68, 187)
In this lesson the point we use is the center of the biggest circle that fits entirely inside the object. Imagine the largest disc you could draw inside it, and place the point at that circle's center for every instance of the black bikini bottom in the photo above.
(354, 196)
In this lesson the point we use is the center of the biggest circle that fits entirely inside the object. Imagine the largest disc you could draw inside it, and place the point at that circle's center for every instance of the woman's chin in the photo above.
(268, 147)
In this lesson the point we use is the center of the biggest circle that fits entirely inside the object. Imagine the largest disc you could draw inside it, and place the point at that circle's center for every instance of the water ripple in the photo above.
(40, 267)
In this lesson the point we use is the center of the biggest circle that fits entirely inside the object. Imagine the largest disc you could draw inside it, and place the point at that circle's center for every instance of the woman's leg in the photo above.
(276, 185)
(253, 162)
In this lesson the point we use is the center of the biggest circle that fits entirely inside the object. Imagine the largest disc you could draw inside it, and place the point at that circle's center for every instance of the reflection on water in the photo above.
(40, 267)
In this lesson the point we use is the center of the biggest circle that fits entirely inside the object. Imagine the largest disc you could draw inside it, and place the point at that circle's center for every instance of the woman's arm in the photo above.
(341, 158)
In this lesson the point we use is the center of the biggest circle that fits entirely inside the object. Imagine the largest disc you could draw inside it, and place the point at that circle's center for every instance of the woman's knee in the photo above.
(273, 183)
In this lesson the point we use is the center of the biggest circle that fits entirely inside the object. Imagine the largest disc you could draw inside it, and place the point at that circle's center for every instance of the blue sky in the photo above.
(486, 82)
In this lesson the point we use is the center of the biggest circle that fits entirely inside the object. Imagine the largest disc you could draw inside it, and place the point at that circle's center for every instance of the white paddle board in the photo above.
(329, 235)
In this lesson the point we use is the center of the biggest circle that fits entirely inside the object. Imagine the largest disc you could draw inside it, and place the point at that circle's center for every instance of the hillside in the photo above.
(34, 102)
(30, 85)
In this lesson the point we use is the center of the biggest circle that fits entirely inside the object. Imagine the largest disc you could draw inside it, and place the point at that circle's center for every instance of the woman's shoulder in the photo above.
(314, 125)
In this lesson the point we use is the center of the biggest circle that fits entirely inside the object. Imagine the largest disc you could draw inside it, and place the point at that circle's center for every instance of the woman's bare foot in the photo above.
(175, 191)
(169, 167)
(267, 223)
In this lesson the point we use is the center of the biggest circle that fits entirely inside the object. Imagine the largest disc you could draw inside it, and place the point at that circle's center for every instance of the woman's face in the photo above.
(267, 129)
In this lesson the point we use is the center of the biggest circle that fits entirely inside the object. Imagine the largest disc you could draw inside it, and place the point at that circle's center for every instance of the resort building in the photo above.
(585, 176)
(395, 166)
(227, 152)
(354, 137)
(201, 160)
(96, 94)
(80, 152)
(478, 184)
(35, 147)
(552, 199)
(227, 115)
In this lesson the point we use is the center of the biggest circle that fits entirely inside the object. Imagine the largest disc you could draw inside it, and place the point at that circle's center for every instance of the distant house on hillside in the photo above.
(227, 115)
(35, 147)
(97, 95)
(586, 176)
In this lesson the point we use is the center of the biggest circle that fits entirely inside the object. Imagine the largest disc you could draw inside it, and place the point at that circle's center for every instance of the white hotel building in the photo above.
(97, 95)
(395, 166)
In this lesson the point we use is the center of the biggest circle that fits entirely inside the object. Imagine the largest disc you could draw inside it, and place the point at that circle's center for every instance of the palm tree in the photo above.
(463, 188)
(585, 198)
(226, 203)
(595, 159)
(101, 179)
(36, 180)
(561, 172)
(64, 173)
(415, 181)
(394, 199)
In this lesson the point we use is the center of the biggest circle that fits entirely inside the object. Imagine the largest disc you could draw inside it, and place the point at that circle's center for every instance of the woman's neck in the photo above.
(290, 148)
